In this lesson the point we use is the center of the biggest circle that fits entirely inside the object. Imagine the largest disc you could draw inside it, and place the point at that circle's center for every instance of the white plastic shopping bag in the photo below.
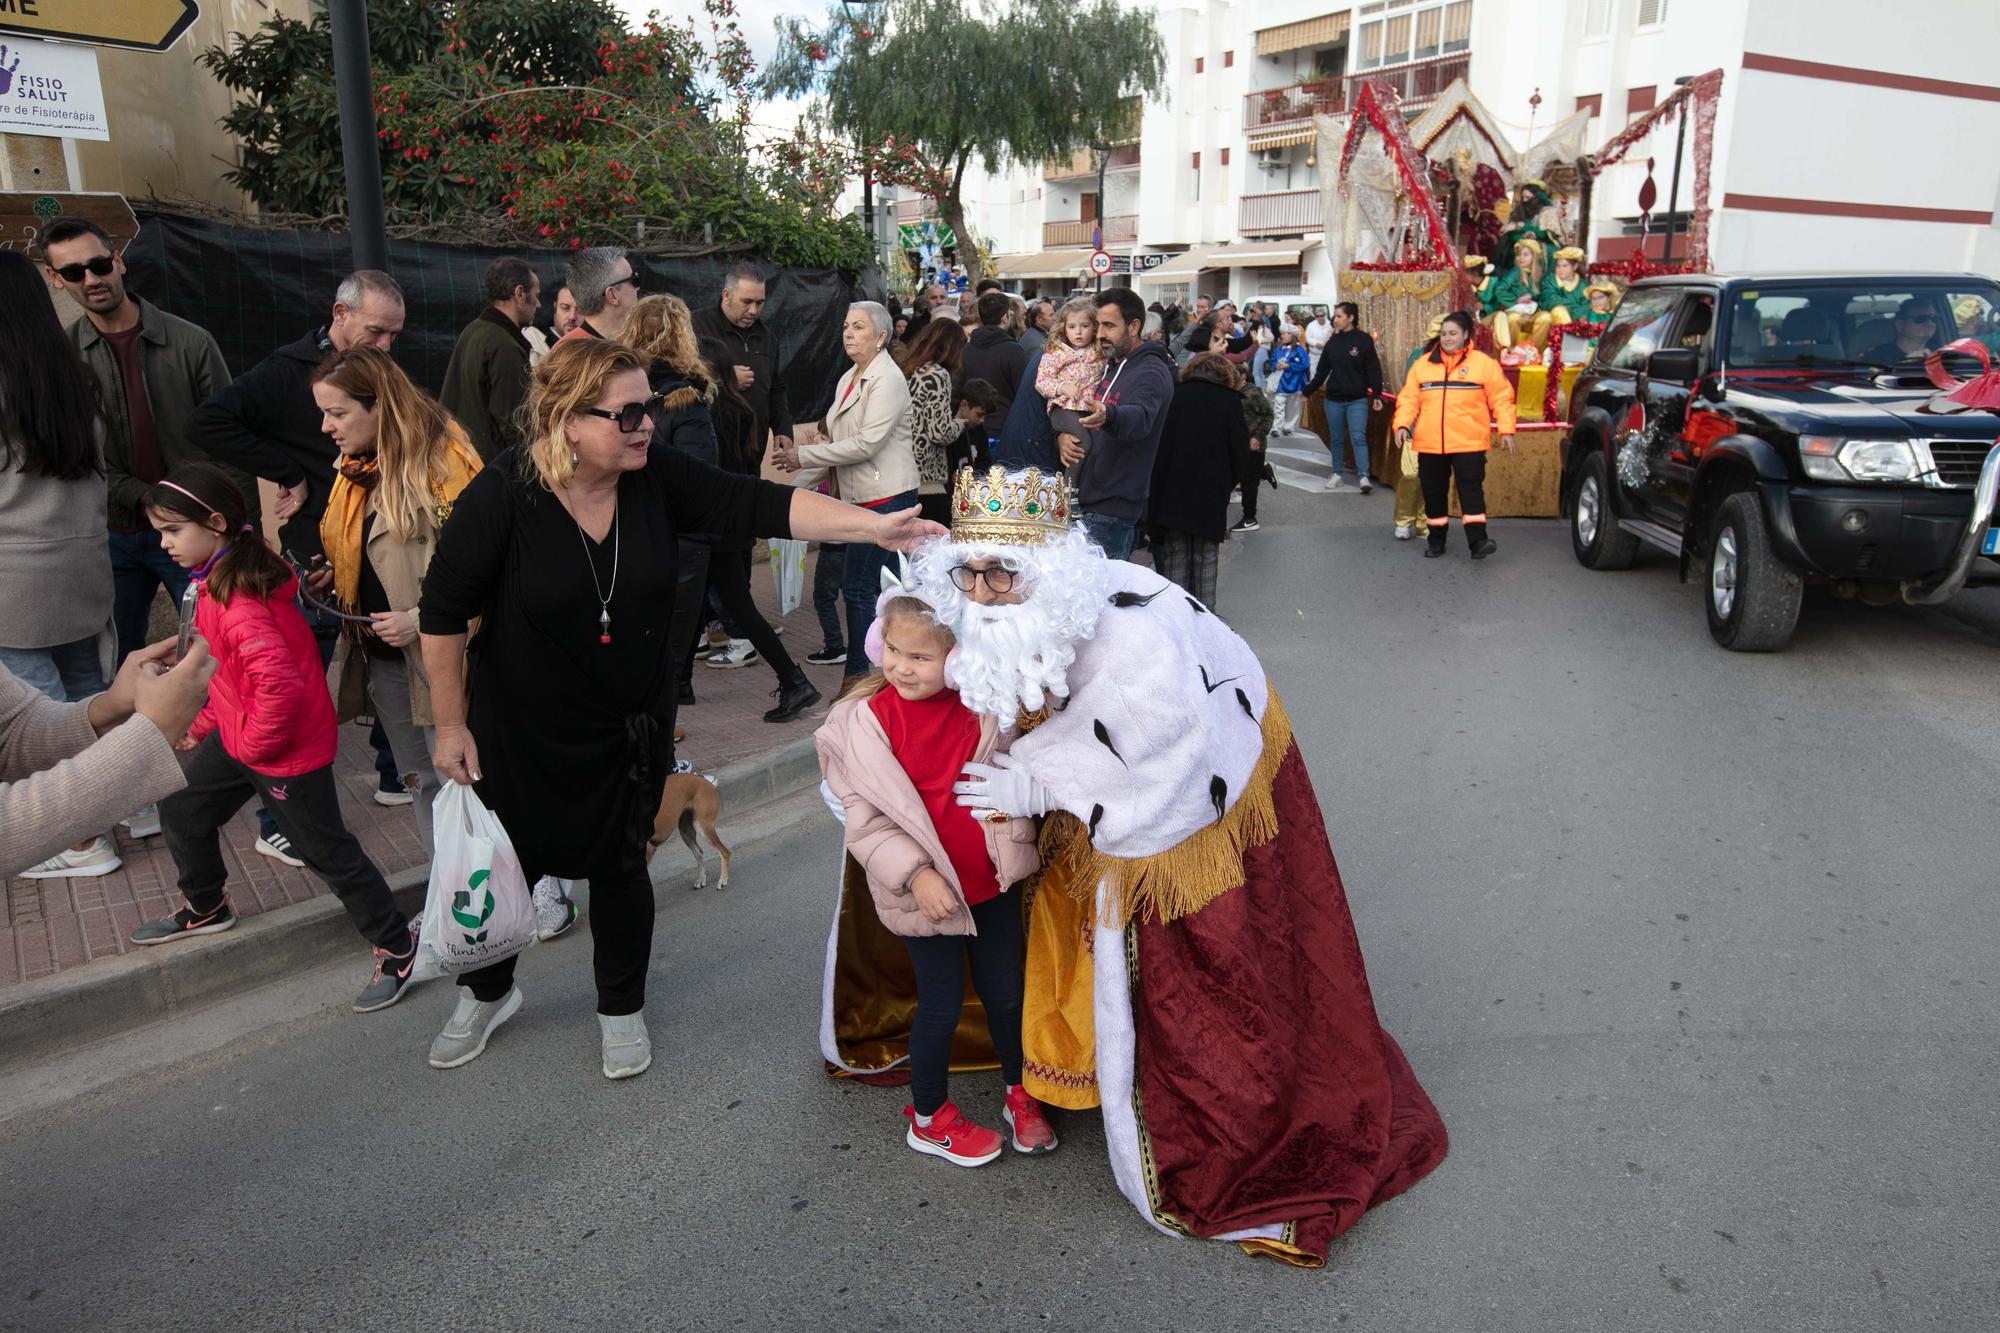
(479, 909)
(788, 570)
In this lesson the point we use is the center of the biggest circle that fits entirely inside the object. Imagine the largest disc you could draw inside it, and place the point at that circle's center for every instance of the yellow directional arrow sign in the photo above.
(148, 25)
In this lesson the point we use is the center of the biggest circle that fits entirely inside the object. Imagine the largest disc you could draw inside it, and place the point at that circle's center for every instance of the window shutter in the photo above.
(1652, 12)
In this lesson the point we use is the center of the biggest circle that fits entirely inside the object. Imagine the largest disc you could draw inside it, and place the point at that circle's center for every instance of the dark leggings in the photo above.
(729, 577)
(621, 943)
(1436, 472)
(998, 956)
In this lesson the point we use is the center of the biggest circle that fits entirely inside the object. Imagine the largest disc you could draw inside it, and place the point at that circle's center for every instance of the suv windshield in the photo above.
(1861, 324)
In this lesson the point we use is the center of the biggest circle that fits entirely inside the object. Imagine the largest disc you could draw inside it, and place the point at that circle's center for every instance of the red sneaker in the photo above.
(951, 1136)
(1024, 1115)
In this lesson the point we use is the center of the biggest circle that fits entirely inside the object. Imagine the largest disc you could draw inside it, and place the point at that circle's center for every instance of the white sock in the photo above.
(923, 1122)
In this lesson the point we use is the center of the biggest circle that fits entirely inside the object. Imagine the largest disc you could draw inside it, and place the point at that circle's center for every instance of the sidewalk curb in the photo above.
(113, 995)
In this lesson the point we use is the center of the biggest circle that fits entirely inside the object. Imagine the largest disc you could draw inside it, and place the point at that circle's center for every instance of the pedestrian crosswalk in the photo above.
(1300, 461)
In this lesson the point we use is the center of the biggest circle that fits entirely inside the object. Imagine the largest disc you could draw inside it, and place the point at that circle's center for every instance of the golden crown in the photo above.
(1028, 508)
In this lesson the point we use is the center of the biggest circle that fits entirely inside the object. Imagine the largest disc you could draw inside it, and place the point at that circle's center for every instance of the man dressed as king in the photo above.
(1193, 969)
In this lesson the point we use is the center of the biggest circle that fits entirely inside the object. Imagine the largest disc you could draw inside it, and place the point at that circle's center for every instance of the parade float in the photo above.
(1428, 216)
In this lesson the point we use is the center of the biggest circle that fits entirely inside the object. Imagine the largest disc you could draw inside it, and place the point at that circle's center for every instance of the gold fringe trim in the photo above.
(1186, 878)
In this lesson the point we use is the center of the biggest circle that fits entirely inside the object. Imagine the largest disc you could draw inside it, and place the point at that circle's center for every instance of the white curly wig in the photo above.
(1017, 657)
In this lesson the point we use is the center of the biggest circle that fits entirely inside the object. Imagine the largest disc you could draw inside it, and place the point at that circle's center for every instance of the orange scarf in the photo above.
(347, 505)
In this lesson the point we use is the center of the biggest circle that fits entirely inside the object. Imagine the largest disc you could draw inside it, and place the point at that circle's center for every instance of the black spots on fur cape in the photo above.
(1104, 739)
(1199, 609)
(1213, 686)
(1096, 818)
(1218, 792)
(1123, 600)
(1244, 699)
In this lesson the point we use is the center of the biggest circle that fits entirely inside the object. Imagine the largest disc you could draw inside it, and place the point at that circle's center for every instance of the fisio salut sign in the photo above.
(50, 89)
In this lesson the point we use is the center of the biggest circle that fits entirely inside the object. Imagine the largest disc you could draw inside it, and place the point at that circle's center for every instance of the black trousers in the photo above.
(1435, 473)
(690, 606)
(998, 954)
(621, 942)
(305, 808)
(729, 578)
(1250, 477)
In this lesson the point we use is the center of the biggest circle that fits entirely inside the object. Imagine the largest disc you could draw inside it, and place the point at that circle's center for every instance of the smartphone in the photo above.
(186, 635)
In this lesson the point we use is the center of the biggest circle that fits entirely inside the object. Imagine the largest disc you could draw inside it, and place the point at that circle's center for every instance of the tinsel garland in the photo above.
(1702, 93)
(1579, 329)
(1430, 264)
(1369, 112)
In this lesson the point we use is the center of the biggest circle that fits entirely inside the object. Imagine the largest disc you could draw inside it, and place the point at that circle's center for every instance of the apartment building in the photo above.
(1840, 139)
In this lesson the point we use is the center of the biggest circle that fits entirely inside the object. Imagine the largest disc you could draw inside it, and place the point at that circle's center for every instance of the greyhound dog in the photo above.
(690, 799)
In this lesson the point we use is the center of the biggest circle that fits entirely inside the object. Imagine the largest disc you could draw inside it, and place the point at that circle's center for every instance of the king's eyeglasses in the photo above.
(998, 579)
(629, 417)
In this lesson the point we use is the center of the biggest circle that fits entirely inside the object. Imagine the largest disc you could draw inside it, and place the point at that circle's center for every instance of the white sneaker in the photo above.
(78, 863)
(279, 848)
(1367, 486)
(466, 1032)
(554, 912)
(738, 653)
(1404, 532)
(628, 1051)
(143, 822)
(1334, 483)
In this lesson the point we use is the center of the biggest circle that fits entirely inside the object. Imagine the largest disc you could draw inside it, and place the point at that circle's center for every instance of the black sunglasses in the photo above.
(101, 266)
(629, 417)
(999, 578)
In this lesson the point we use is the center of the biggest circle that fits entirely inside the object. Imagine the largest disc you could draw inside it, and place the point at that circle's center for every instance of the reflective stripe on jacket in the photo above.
(1448, 403)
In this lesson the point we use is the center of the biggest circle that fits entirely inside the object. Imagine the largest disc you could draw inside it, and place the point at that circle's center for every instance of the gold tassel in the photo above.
(1186, 878)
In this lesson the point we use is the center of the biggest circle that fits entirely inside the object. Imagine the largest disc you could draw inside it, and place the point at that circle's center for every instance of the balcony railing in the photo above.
(915, 210)
(1290, 213)
(1083, 162)
(1418, 81)
(1120, 230)
(1277, 108)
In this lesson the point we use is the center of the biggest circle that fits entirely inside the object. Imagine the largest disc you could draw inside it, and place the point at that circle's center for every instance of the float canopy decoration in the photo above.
(1700, 96)
(1381, 209)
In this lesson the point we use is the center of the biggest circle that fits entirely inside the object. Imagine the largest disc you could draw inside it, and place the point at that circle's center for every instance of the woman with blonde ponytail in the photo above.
(403, 461)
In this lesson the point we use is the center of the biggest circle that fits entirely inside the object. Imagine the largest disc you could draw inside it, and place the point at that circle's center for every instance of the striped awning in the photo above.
(1250, 255)
(1282, 138)
(1321, 31)
(1042, 264)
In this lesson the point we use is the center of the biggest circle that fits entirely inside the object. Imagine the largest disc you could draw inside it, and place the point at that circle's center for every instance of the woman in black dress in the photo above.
(565, 551)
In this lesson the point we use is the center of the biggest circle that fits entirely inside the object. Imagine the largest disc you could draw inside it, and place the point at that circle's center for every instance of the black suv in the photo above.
(1777, 431)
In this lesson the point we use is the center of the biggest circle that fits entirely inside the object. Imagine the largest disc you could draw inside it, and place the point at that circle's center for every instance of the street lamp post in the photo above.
(1674, 188)
(354, 88)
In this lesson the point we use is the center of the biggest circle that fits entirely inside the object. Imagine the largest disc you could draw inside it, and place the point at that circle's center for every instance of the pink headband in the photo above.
(176, 486)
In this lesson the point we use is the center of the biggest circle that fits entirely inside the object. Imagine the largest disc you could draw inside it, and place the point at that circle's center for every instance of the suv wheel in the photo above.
(1594, 534)
(1752, 596)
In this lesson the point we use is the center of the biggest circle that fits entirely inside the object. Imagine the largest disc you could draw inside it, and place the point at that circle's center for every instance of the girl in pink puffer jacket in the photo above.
(892, 751)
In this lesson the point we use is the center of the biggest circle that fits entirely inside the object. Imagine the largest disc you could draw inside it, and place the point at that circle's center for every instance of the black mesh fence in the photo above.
(257, 289)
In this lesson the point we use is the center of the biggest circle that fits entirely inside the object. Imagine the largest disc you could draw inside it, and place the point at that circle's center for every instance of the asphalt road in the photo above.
(1695, 951)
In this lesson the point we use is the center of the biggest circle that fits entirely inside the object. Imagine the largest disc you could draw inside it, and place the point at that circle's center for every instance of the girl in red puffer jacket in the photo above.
(266, 731)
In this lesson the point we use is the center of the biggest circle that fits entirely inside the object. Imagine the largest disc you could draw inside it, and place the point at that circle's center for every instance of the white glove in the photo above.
(833, 802)
(1004, 789)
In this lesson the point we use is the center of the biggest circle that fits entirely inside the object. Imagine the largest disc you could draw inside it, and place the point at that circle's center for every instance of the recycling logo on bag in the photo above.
(472, 907)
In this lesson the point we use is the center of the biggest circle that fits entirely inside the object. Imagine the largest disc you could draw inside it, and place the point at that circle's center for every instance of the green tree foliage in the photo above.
(545, 120)
(922, 87)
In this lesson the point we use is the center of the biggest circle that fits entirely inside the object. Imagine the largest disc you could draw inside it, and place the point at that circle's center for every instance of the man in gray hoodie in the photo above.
(1112, 468)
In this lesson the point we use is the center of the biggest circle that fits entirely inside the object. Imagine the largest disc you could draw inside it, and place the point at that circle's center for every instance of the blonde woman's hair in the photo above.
(570, 377)
(661, 327)
(411, 432)
(899, 608)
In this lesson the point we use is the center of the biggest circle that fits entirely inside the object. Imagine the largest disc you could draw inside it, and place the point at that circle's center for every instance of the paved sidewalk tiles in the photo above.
(56, 925)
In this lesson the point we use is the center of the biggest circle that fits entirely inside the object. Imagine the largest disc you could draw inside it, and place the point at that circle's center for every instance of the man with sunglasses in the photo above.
(605, 287)
(1916, 334)
(154, 370)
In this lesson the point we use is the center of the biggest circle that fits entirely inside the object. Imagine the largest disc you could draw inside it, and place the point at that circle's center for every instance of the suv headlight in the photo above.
(1830, 458)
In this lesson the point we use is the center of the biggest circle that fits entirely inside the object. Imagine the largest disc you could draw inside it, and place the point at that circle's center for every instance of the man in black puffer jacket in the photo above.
(992, 355)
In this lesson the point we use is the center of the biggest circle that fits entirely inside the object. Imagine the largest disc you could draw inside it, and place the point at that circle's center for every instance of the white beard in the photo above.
(1010, 658)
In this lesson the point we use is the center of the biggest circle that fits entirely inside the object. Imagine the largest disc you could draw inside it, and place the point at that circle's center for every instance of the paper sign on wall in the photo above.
(51, 89)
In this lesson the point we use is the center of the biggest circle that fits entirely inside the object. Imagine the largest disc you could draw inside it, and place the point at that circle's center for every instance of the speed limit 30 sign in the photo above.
(1100, 263)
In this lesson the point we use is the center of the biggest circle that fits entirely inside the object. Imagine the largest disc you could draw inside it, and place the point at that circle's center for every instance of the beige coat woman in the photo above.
(867, 443)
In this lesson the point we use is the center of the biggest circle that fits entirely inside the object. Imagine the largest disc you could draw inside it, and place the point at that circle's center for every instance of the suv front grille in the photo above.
(1958, 461)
